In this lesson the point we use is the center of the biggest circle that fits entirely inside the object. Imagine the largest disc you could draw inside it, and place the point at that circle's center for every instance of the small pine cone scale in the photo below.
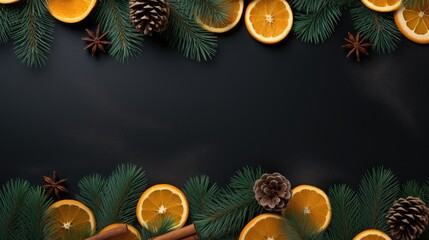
(273, 191)
(407, 218)
(149, 16)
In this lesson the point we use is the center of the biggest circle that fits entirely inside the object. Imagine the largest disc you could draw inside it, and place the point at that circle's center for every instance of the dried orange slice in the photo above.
(262, 227)
(160, 202)
(382, 5)
(235, 10)
(372, 234)
(71, 218)
(8, 1)
(132, 234)
(70, 11)
(413, 22)
(268, 21)
(311, 204)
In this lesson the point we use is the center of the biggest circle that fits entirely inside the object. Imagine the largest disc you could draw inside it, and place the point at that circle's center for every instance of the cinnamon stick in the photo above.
(114, 232)
(178, 234)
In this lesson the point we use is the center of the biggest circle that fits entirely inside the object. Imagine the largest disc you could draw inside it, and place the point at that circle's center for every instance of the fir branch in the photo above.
(32, 32)
(35, 222)
(345, 213)
(91, 189)
(5, 14)
(318, 25)
(114, 18)
(379, 28)
(213, 12)
(412, 188)
(199, 192)
(426, 191)
(12, 196)
(162, 228)
(378, 189)
(296, 227)
(185, 34)
(123, 189)
(233, 208)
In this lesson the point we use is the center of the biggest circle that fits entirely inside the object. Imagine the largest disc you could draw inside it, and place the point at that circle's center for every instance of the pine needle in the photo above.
(212, 11)
(345, 213)
(379, 28)
(114, 18)
(32, 32)
(199, 192)
(5, 13)
(121, 193)
(35, 223)
(162, 228)
(233, 208)
(317, 19)
(12, 197)
(426, 191)
(185, 34)
(378, 189)
(296, 227)
(412, 188)
(90, 190)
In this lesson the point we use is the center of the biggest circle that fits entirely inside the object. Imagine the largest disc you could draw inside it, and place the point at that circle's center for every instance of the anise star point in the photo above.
(54, 185)
(95, 41)
(356, 45)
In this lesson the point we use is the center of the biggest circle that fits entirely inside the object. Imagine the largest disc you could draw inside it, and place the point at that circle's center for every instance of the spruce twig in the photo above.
(412, 188)
(114, 18)
(379, 28)
(32, 31)
(212, 11)
(298, 228)
(5, 13)
(234, 206)
(378, 189)
(185, 34)
(12, 196)
(162, 228)
(345, 213)
(90, 190)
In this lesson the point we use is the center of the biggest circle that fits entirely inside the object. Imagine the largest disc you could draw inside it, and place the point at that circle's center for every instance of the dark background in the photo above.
(303, 110)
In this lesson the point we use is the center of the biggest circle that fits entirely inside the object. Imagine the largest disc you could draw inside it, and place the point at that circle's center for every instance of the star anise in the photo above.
(357, 45)
(54, 185)
(96, 41)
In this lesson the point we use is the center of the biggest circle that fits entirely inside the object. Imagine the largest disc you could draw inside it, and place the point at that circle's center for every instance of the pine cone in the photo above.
(407, 218)
(273, 191)
(149, 16)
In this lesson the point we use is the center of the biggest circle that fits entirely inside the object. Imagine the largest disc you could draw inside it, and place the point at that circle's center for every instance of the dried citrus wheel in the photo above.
(70, 11)
(263, 227)
(372, 234)
(235, 10)
(160, 202)
(310, 204)
(413, 22)
(8, 1)
(132, 234)
(71, 218)
(382, 5)
(268, 21)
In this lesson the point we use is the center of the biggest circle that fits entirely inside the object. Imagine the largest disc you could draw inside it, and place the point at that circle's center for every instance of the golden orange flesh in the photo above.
(262, 227)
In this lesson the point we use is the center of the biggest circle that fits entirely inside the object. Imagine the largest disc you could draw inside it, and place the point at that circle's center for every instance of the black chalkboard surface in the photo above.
(303, 110)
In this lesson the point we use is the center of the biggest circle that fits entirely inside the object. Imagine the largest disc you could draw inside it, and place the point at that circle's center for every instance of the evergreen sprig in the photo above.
(412, 188)
(199, 192)
(316, 20)
(12, 197)
(5, 13)
(32, 31)
(118, 199)
(379, 28)
(185, 34)
(378, 189)
(114, 18)
(345, 213)
(163, 227)
(233, 208)
(299, 228)
(212, 11)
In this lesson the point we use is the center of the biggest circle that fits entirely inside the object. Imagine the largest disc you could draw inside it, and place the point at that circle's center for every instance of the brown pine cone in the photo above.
(149, 16)
(407, 218)
(273, 191)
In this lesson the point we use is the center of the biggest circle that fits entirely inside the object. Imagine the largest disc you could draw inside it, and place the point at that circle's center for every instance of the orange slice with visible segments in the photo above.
(268, 21)
(132, 234)
(311, 205)
(413, 22)
(70, 11)
(235, 10)
(71, 218)
(382, 5)
(263, 227)
(160, 202)
(372, 234)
